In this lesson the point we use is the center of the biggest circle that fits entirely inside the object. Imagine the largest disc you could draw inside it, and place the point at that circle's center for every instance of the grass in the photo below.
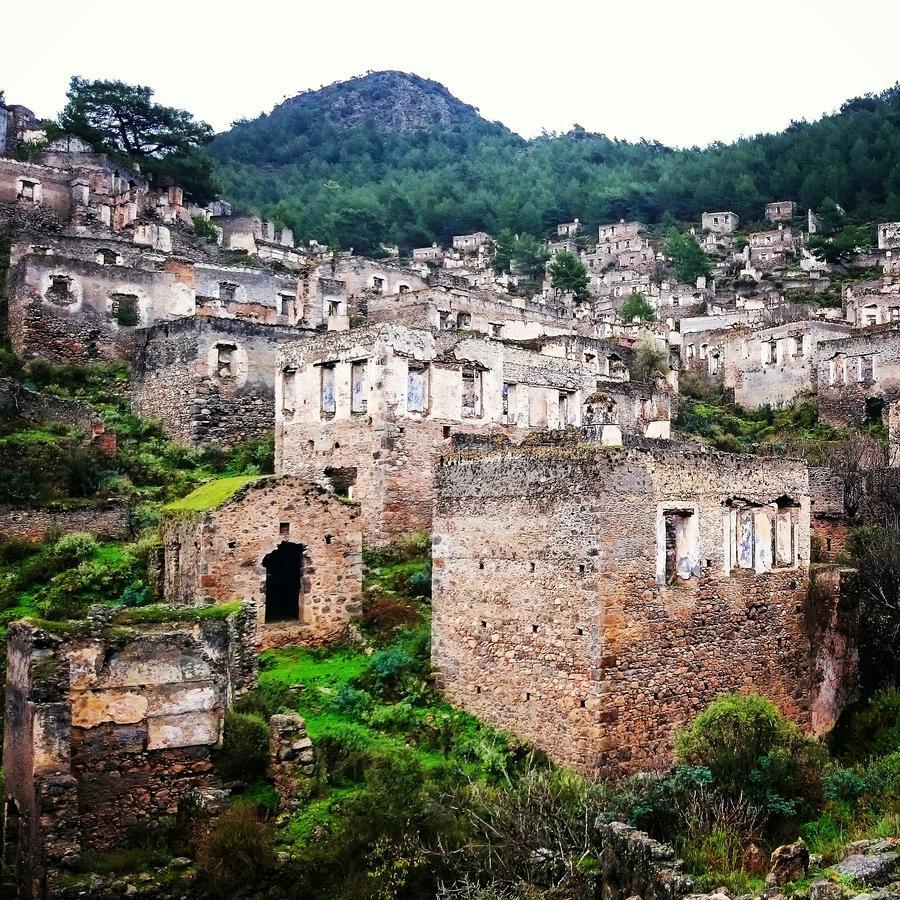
(210, 495)
(147, 615)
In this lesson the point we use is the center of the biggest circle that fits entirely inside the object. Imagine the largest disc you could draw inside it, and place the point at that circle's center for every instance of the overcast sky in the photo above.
(681, 71)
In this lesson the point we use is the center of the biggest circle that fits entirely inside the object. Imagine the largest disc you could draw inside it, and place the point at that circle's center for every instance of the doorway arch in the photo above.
(284, 582)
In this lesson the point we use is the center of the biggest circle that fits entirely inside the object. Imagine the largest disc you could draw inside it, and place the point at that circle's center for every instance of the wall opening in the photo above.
(284, 580)
(681, 543)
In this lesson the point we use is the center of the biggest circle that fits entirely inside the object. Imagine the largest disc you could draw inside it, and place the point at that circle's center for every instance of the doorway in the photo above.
(284, 580)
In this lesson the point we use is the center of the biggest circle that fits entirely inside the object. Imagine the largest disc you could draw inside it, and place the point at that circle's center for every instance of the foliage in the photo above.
(237, 857)
(529, 257)
(691, 262)
(637, 307)
(873, 730)
(568, 274)
(751, 749)
(304, 164)
(245, 747)
(204, 229)
(123, 120)
(648, 362)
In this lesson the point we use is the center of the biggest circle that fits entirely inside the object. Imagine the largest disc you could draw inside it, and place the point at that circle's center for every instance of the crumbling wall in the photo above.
(108, 519)
(550, 616)
(178, 383)
(218, 555)
(108, 725)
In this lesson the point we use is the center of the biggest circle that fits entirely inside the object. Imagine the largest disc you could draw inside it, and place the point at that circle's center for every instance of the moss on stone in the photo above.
(160, 613)
(209, 496)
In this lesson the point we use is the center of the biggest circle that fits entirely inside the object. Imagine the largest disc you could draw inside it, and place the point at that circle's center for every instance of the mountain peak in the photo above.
(390, 100)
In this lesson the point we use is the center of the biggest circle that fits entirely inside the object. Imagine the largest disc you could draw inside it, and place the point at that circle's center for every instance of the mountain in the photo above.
(392, 157)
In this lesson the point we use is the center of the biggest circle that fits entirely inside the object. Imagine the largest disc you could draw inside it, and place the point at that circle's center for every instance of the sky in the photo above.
(684, 72)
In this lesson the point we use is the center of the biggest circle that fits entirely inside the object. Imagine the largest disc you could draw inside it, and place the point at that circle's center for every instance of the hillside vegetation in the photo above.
(391, 157)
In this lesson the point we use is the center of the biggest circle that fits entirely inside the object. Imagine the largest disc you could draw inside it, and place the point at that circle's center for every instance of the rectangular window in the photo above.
(745, 539)
(563, 410)
(378, 283)
(496, 329)
(288, 391)
(329, 407)
(681, 544)
(446, 323)
(358, 395)
(285, 305)
(227, 291)
(225, 360)
(784, 538)
(334, 307)
(417, 389)
(865, 367)
(471, 392)
(463, 320)
(507, 391)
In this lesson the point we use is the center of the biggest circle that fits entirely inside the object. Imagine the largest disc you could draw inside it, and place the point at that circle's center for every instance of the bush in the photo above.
(75, 548)
(245, 747)
(237, 857)
(751, 750)
(15, 549)
(387, 666)
(136, 594)
(873, 730)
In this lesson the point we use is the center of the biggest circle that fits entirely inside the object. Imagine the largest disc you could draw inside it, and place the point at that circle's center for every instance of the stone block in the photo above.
(184, 730)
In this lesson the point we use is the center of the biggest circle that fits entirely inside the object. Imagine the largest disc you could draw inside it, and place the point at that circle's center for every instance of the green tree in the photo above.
(124, 121)
(691, 262)
(568, 274)
(360, 229)
(529, 256)
(637, 307)
(648, 362)
(504, 248)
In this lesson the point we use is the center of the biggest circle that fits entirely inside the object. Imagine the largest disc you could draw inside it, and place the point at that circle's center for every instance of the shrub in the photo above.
(750, 749)
(15, 549)
(136, 594)
(388, 665)
(237, 857)
(245, 746)
(874, 730)
(74, 548)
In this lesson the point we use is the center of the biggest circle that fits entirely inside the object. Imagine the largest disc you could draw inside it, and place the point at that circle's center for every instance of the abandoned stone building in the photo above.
(468, 309)
(829, 520)
(290, 548)
(888, 235)
(110, 725)
(772, 249)
(432, 254)
(594, 600)
(368, 408)
(630, 410)
(872, 302)
(471, 243)
(209, 380)
(720, 222)
(859, 376)
(568, 229)
(762, 365)
(781, 211)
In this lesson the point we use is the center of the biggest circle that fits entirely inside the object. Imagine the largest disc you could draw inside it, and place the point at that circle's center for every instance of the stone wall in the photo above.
(39, 406)
(555, 615)
(107, 519)
(109, 725)
(852, 372)
(178, 380)
(218, 555)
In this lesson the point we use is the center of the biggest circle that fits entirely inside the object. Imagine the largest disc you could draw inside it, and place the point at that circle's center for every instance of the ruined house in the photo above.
(471, 243)
(859, 375)
(368, 408)
(568, 229)
(594, 600)
(781, 211)
(209, 380)
(111, 723)
(888, 234)
(772, 249)
(291, 549)
(720, 222)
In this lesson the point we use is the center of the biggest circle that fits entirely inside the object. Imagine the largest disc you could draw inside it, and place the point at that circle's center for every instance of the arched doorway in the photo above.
(284, 582)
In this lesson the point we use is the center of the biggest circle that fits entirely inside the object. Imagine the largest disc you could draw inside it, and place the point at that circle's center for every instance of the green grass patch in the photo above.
(146, 615)
(210, 495)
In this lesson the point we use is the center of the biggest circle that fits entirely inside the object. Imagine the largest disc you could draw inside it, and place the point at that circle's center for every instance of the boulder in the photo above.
(874, 869)
(789, 862)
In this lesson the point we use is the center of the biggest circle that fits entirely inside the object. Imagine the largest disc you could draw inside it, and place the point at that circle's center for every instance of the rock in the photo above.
(180, 862)
(869, 868)
(754, 859)
(825, 890)
(789, 862)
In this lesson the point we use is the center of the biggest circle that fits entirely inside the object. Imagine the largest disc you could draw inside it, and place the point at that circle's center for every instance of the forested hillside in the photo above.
(395, 158)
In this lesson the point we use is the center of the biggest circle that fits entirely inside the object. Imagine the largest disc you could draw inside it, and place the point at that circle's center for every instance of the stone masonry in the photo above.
(292, 549)
(595, 600)
(109, 724)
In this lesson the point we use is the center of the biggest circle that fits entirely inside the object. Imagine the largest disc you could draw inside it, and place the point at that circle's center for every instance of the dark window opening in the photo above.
(534, 629)
(284, 527)
(343, 481)
(446, 431)
(284, 579)
(874, 410)
(124, 309)
(60, 290)
(581, 631)
(329, 538)
(480, 563)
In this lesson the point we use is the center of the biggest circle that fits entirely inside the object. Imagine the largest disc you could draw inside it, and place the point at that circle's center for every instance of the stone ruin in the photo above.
(110, 723)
